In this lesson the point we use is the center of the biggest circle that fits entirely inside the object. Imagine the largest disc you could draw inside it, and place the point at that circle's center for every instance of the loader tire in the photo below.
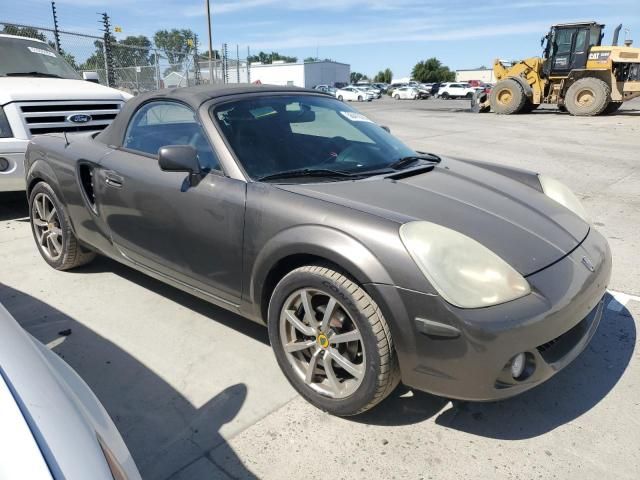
(529, 106)
(613, 107)
(587, 97)
(507, 97)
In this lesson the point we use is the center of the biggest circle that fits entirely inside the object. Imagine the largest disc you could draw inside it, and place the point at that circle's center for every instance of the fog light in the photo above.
(4, 164)
(518, 364)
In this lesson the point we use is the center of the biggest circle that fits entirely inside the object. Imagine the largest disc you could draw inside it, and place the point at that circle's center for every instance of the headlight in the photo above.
(559, 192)
(5, 129)
(464, 272)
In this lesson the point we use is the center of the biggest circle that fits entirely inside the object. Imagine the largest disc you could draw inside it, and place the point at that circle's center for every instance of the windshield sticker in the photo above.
(355, 117)
(42, 51)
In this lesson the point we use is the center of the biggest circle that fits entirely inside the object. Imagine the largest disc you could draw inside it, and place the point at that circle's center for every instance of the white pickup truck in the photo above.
(41, 93)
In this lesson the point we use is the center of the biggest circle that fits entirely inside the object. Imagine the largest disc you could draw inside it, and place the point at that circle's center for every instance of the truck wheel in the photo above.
(444, 96)
(52, 230)
(587, 97)
(611, 108)
(331, 341)
(507, 97)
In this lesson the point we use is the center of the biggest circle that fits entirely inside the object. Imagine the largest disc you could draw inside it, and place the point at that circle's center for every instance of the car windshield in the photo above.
(305, 133)
(30, 58)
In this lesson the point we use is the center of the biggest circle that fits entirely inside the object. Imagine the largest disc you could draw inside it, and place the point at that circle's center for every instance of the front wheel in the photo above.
(340, 97)
(331, 341)
(359, 98)
(52, 232)
(444, 96)
(396, 96)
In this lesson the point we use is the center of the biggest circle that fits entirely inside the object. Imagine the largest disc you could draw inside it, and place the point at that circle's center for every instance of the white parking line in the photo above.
(619, 300)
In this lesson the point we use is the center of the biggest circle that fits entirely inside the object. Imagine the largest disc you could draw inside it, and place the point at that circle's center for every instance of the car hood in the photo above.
(23, 89)
(516, 221)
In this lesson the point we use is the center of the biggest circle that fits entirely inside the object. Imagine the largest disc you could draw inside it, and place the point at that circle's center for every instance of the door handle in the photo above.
(112, 179)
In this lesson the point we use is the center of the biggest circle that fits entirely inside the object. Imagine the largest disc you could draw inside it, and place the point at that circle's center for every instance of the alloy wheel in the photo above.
(46, 224)
(322, 343)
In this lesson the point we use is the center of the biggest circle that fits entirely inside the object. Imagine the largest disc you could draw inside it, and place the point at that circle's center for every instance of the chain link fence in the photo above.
(135, 69)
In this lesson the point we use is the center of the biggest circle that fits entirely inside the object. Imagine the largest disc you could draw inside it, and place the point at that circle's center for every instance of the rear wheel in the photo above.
(587, 97)
(611, 108)
(507, 97)
(52, 230)
(396, 96)
(331, 341)
(359, 98)
(340, 97)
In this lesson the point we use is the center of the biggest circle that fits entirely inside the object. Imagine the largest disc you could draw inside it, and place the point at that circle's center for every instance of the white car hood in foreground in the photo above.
(29, 89)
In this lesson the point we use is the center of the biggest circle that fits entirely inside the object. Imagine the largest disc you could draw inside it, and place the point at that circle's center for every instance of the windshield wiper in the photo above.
(406, 161)
(307, 172)
(32, 74)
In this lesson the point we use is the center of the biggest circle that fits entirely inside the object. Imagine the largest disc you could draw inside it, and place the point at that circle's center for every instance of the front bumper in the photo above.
(465, 353)
(12, 178)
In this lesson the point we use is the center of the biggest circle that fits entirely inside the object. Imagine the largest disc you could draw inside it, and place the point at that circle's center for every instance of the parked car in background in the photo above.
(326, 89)
(41, 93)
(53, 426)
(369, 262)
(455, 90)
(424, 92)
(383, 87)
(375, 91)
(405, 93)
(353, 94)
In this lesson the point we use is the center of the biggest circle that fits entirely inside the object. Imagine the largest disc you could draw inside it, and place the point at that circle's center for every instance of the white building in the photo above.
(306, 75)
(483, 74)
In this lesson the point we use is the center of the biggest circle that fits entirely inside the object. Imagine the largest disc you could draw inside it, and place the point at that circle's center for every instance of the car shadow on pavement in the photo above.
(13, 206)
(166, 434)
(229, 319)
(566, 396)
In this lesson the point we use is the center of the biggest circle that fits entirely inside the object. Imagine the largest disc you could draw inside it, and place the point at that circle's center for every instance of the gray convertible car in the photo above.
(370, 263)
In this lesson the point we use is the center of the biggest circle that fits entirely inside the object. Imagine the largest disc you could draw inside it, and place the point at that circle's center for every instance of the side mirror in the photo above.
(91, 77)
(384, 127)
(181, 158)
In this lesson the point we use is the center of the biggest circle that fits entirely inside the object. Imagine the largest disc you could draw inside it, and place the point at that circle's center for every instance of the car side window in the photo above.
(161, 123)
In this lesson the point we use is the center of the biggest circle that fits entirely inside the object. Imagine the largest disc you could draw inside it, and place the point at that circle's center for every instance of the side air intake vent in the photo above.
(87, 182)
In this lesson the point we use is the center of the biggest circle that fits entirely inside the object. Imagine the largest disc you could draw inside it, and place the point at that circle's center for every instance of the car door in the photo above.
(189, 231)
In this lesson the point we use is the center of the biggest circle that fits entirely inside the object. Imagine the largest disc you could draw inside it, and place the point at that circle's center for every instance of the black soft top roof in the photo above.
(192, 96)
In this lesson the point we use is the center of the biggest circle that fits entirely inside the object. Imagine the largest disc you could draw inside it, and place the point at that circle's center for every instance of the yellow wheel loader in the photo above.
(577, 73)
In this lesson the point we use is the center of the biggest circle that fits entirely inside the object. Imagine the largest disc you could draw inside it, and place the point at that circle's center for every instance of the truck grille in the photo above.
(52, 117)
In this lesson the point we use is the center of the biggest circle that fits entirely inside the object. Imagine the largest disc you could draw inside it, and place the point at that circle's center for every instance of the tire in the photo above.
(507, 97)
(444, 96)
(613, 107)
(359, 98)
(376, 375)
(396, 96)
(587, 97)
(469, 96)
(52, 231)
(340, 98)
(562, 108)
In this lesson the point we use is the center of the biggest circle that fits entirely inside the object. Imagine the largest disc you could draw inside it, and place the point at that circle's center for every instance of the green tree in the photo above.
(140, 55)
(383, 76)
(356, 77)
(175, 44)
(264, 57)
(432, 70)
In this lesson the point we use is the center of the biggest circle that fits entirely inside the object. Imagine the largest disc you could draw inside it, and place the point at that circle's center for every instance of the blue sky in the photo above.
(369, 34)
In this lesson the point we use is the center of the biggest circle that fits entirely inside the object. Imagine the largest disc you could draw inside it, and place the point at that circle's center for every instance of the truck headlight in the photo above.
(5, 128)
(463, 271)
(562, 194)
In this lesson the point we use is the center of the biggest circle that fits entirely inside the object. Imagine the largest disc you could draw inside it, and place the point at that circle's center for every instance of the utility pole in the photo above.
(108, 54)
(248, 64)
(56, 32)
(237, 63)
(210, 42)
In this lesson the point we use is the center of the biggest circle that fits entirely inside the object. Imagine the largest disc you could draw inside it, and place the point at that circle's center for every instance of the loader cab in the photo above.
(566, 47)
